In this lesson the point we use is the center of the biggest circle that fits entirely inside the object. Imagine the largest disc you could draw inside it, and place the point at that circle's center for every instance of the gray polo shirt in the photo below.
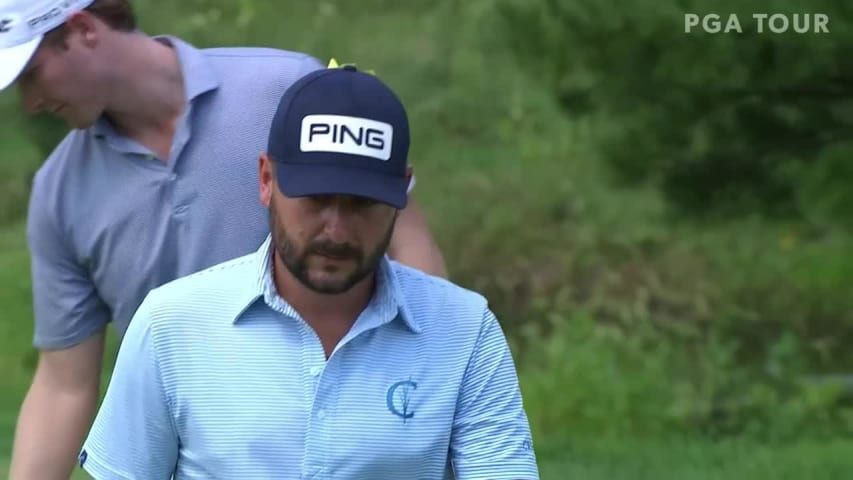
(108, 220)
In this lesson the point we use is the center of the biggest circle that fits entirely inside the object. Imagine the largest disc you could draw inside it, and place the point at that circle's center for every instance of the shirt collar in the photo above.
(199, 77)
(386, 305)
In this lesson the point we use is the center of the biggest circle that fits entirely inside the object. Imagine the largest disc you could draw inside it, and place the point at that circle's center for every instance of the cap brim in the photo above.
(302, 180)
(14, 59)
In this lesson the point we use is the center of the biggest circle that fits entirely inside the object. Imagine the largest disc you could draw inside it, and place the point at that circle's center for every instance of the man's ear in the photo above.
(83, 26)
(266, 177)
(410, 180)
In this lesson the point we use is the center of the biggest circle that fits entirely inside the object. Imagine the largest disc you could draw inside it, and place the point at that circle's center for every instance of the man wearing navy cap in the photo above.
(317, 356)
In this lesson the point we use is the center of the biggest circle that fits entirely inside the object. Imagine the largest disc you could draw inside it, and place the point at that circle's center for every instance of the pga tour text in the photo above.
(760, 22)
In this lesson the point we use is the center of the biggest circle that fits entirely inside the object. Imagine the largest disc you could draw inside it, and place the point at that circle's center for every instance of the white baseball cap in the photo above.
(23, 24)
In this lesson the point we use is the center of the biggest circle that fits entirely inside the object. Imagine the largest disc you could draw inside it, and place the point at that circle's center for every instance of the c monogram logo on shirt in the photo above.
(398, 398)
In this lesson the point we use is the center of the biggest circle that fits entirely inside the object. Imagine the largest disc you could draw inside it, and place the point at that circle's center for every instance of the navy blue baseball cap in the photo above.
(340, 131)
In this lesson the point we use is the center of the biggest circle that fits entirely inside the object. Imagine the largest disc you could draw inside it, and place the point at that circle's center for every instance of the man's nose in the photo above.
(335, 222)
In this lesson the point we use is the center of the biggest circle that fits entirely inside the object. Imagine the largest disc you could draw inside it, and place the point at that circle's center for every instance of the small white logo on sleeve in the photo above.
(345, 134)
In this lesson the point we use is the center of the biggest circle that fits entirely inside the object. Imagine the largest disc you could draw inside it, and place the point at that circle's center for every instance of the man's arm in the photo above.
(57, 411)
(70, 320)
(134, 435)
(491, 435)
(412, 243)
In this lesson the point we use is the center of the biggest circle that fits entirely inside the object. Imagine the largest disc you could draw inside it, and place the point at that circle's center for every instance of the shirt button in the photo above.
(316, 371)
(321, 414)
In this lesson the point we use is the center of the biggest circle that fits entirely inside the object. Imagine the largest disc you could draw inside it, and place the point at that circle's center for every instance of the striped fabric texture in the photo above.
(219, 378)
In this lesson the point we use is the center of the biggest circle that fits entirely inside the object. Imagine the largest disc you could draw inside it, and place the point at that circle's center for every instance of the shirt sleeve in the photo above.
(66, 305)
(134, 435)
(491, 434)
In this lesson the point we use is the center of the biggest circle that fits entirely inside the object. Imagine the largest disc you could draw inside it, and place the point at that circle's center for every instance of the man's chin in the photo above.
(319, 260)
(76, 124)
(330, 281)
(328, 286)
(76, 120)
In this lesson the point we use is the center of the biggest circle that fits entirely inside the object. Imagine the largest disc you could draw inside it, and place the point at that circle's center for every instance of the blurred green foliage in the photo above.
(726, 123)
(742, 280)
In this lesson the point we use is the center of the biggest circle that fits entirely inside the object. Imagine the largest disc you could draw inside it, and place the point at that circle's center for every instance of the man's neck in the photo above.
(148, 90)
(322, 310)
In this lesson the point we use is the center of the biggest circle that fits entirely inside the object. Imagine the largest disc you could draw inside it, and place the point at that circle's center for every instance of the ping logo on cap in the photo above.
(345, 134)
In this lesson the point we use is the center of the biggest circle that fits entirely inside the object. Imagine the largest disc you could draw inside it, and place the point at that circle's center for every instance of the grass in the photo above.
(520, 204)
(694, 459)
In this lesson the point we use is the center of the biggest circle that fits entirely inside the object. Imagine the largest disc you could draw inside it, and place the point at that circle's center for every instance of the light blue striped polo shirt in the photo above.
(219, 378)
(108, 220)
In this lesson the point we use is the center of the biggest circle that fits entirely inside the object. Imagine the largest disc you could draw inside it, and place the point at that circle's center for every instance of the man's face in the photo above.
(330, 243)
(62, 79)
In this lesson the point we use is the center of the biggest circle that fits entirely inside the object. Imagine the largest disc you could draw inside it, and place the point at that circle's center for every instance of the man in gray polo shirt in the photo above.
(158, 180)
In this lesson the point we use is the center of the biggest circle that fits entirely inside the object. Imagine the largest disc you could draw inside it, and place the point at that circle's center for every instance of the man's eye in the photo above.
(320, 199)
(364, 202)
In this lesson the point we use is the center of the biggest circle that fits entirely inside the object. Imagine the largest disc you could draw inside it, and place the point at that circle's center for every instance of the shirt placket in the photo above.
(320, 396)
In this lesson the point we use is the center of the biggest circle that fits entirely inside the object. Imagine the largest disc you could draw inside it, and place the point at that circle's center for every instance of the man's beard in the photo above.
(296, 259)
